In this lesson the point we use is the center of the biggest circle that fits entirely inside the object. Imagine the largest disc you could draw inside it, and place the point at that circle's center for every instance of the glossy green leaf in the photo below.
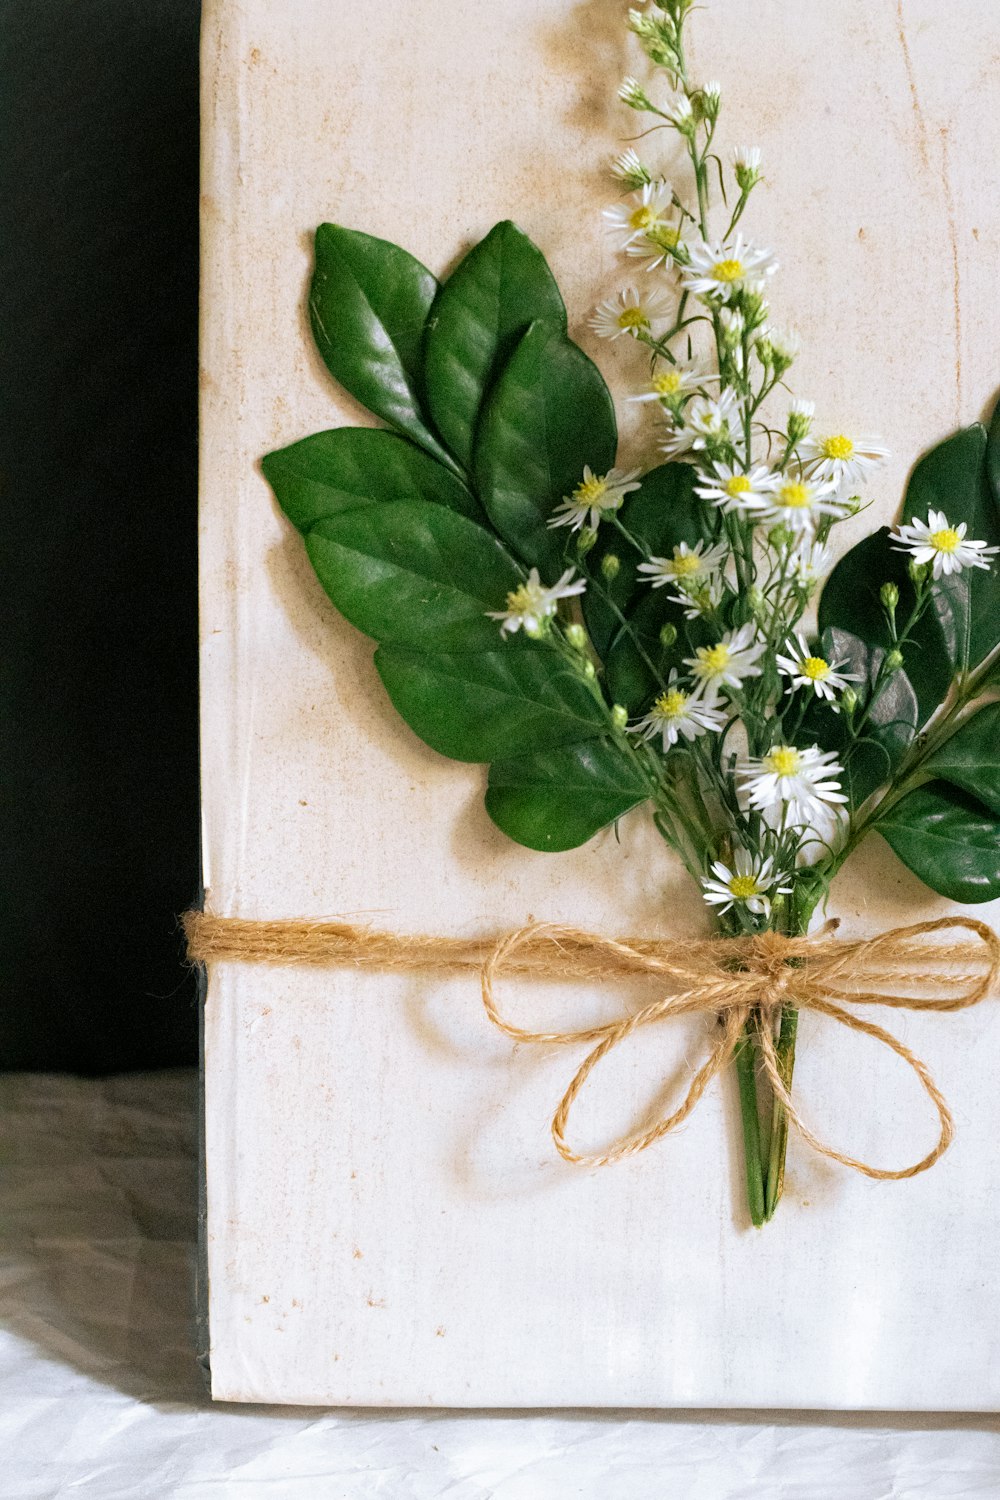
(948, 839)
(368, 305)
(336, 471)
(550, 414)
(970, 759)
(477, 318)
(954, 478)
(560, 798)
(491, 705)
(414, 573)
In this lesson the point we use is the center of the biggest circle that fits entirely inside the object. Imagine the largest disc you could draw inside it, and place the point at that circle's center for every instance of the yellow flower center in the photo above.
(670, 705)
(715, 658)
(633, 317)
(590, 491)
(728, 271)
(667, 236)
(796, 496)
(743, 887)
(738, 485)
(642, 217)
(524, 599)
(782, 762)
(946, 540)
(838, 446)
(685, 564)
(669, 383)
(816, 669)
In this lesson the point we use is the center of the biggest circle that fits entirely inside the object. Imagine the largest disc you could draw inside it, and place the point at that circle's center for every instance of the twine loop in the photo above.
(742, 983)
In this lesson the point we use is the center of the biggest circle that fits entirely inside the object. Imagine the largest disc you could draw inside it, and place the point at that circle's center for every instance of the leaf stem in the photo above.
(745, 1059)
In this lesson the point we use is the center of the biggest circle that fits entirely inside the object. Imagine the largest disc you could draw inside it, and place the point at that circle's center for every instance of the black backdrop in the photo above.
(98, 668)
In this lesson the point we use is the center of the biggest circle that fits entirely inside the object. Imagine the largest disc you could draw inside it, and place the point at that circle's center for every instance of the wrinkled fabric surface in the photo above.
(101, 1397)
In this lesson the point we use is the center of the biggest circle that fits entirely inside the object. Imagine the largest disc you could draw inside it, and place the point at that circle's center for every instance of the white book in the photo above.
(387, 1221)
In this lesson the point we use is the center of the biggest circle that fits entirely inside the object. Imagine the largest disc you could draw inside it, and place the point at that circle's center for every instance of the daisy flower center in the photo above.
(739, 484)
(591, 491)
(782, 762)
(664, 235)
(642, 218)
(796, 496)
(728, 270)
(668, 384)
(743, 887)
(716, 658)
(815, 668)
(946, 540)
(670, 705)
(686, 564)
(838, 447)
(633, 317)
(524, 599)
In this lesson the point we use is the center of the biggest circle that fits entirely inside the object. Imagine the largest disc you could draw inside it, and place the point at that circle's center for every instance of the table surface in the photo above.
(101, 1395)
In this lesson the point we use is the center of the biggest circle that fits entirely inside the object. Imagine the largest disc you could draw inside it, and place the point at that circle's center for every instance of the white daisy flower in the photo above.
(630, 312)
(844, 459)
(659, 246)
(677, 714)
(719, 269)
(706, 424)
(643, 211)
(805, 670)
(531, 604)
(777, 348)
(937, 542)
(699, 597)
(811, 562)
(631, 92)
(802, 782)
(798, 503)
(746, 159)
(734, 489)
(686, 566)
(752, 882)
(727, 663)
(596, 496)
(680, 114)
(628, 169)
(673, 382)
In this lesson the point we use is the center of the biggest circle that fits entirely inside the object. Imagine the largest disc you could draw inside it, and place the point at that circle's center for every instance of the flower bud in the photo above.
(780, 537)
(917, 571)
(889, 595)
(710, 99)
(894, 660)
(853, 504)
(668, 636)
(746, 166)
(848, 700)
(631, 93)
(756, 601)
(589, 669)
(577, 636)
(800, 417)
(619, 716)
(585, 541)
(611, 566)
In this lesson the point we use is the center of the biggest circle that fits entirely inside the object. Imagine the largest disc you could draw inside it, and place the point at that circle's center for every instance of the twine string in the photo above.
(736, 981)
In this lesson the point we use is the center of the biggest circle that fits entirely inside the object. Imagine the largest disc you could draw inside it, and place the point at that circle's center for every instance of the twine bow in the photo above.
(737, 980)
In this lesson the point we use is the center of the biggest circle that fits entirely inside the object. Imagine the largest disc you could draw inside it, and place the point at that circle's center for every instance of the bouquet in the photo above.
(675, 640)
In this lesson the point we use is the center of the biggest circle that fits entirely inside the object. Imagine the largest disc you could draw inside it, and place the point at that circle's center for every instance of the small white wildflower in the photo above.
(805, 670)
(777, 349)
(631, 312)
(746, 167)
(706, 425)
(596, 496)
(843, 458)
(799, 420)
(937, 542)
(531, 604)
(629, 170)
(672, 383)
(699, 597)
(677, 714)
(752, 882)
(687, 565)
(631, 92)
(718, 270)
(681, 115)
(811, 562)
(802, 782)
(734, 489)
(728, 663)
(798, 503)
(642, 212)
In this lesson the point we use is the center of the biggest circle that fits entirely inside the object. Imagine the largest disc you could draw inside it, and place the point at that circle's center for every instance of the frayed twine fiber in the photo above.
(740, 981)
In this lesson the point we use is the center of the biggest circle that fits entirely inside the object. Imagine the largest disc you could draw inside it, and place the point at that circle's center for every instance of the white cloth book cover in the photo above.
(387, 1223)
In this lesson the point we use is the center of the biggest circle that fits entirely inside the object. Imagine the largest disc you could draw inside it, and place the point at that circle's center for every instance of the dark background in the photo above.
(98, 666)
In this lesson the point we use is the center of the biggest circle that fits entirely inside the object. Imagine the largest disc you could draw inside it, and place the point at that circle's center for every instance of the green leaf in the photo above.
(970, 759)
(560, 798)
(954, 478)
(414, 573)
(550, 414)
(854, 631)
(948, 839)
(477, 318)
(491, 705)
(368, 305)
(349, 467)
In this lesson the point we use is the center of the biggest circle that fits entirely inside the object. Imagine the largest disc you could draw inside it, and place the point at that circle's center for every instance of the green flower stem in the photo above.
(746, 1072)
(785, 1052)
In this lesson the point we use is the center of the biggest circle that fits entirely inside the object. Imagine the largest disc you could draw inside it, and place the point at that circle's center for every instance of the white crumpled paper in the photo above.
(101, 1397)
